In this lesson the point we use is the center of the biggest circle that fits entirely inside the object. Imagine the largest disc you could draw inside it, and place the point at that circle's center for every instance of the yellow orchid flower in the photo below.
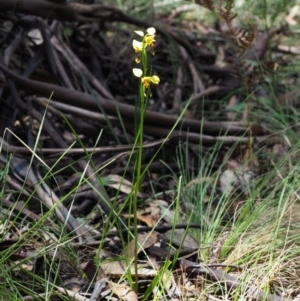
(146, 80)
(149, 37)
(150, 79)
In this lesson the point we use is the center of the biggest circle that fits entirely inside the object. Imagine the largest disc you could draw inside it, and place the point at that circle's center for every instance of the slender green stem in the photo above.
(142, 106)
(145, 93)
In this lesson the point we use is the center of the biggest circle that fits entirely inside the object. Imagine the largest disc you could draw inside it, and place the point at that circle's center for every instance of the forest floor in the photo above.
(188, 193)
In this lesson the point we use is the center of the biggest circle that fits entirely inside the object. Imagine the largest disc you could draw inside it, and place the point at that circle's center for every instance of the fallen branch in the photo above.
(126, 111)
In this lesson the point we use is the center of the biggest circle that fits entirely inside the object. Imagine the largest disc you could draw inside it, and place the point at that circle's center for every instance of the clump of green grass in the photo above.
(262, 235)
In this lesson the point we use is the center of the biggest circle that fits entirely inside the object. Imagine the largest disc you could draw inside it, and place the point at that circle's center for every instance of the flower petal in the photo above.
(155, 79)
(149, 40)
(151, 31)
(137, 72)
(146, 82)
(140, 33)
(137, 46)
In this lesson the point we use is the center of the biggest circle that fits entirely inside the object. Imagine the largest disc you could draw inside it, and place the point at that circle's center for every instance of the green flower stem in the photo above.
(144, 59)
(143, 105)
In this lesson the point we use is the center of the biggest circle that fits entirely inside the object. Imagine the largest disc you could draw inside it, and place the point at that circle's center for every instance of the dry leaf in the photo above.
(180, 235)
(147, 219)
(120, 268)
(119, 183)
(145, 240)
(236, 178)
(167, 283)
(232, 102)
(123, 291)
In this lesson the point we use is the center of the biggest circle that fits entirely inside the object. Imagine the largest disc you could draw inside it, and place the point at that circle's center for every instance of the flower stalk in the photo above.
(146, 80)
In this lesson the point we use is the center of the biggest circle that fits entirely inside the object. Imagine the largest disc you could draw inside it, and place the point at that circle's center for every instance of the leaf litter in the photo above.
(60, 80)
